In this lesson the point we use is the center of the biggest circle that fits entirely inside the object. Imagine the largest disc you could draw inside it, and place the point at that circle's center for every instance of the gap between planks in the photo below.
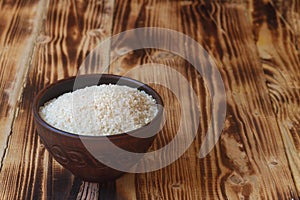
(42, 8)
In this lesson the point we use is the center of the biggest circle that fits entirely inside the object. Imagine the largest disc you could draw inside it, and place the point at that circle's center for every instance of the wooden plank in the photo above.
(18, 29)
(249, 161)
(277, 33)
(252, 141)
(71, 29)
(176, 181)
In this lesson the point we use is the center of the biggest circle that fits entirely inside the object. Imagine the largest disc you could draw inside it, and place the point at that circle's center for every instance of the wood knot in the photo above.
(96, 33)
(236, 179)
(75, 34)
(176, 185)
(274, 163)
(43, 39)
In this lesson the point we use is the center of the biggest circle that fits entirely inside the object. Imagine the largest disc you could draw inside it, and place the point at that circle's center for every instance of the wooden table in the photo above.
(255, 45)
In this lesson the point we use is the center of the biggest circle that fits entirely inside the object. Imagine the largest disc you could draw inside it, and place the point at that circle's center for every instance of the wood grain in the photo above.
(18, 28)
(250, 161)
(277, 35)
(252, 143)
(70, 30)
(176, 181)
(255, 45)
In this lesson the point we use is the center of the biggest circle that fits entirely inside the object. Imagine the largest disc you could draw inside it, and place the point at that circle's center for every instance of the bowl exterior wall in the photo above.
(73, 151)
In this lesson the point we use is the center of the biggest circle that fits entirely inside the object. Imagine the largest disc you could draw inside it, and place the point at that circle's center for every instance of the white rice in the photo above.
(100, 110)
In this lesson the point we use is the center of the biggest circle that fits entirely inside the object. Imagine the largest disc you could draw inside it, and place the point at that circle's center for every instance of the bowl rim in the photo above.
(41, 93)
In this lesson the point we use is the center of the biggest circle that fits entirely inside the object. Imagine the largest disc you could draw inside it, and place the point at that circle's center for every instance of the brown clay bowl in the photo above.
(70, 149)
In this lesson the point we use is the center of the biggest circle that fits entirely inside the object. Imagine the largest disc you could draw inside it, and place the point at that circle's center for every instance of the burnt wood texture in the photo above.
(255, 45)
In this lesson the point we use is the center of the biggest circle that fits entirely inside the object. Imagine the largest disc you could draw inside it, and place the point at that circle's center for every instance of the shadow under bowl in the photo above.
(81, 154)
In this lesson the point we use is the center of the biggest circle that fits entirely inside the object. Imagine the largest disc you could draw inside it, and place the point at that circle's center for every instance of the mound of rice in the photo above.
(100, 110)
